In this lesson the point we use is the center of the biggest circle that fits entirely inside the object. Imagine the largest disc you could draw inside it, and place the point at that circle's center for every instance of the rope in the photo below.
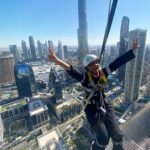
(109, 23)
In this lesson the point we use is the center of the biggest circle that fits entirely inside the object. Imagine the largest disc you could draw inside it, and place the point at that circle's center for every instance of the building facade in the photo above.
(14, 51)
(52, 78)
(134, 67)
(147, 92)
(25, 50)
(32, 48)
(124, 34)
(38, 112)
(39, 45)
(25, 80)
(82, 30)
(6, 68)
(24, 115)
(60, 52)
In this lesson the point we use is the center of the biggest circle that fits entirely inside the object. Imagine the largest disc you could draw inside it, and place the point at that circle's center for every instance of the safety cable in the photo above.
(109, 23)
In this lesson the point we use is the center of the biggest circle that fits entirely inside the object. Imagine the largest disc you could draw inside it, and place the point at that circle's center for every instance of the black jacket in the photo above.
(83, 77)
(98, 98)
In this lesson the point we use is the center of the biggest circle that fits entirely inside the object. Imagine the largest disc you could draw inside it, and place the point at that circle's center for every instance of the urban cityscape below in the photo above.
(42, 106)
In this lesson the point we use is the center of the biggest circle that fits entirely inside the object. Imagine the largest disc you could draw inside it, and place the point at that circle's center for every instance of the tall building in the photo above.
(58, 90)
(147, 55)
(25, 50)
(38, 112)
(124, 33)
(60, 52)
(134, 67)
(39, 45)
(32, 48)
(82, 31)
(65, 47)
(147, 92)
(50, 44)
(25, 80)
(52, 78)
(6, 68)
(45, 50)
(14, 51)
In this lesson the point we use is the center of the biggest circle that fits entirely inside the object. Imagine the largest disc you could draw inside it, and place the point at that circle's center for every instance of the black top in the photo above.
(82, 77)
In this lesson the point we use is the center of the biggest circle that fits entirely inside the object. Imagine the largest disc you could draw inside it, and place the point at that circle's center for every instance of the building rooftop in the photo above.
(51, 140)
(69, 102)
(36, 107)
(13, 105)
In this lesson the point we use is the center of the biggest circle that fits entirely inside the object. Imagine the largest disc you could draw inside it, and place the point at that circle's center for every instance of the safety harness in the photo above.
(99, 86)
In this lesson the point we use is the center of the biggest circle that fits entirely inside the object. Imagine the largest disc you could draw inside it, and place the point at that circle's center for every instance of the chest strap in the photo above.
(95, 87)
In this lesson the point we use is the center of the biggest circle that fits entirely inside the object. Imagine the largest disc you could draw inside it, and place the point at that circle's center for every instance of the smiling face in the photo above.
(93, 68)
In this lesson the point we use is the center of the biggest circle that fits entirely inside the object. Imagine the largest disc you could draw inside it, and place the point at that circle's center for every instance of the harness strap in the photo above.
(89, 97)
(118, 143)
(95, 87)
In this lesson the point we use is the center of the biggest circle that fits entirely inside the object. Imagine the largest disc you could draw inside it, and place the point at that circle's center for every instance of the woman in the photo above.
(98, 111)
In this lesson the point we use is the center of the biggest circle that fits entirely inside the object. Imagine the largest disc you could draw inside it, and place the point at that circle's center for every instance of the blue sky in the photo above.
(58, 20)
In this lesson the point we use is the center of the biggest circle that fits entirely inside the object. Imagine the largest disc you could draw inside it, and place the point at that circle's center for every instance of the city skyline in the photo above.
(58, 20)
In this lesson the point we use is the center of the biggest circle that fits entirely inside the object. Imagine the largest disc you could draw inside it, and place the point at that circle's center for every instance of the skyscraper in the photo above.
(6, 68)
(32, 48)
(60, 52)
(52, 78)
(65, 47)
(124, 33)
(25, 50)
(82, 30)
(134, 67)
(14, 51)
(58, 90)
(45, 50)
(147, 93)
(25, 80)
(39, 45)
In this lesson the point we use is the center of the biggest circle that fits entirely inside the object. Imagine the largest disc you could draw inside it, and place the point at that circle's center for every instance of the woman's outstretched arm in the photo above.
(52, 57)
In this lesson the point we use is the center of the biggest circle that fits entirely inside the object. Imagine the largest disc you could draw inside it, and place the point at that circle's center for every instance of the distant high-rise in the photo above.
(6, 68)
(14, 51)
(45, 50)
(124, 33)
(32, 48)
(25, 50)
(50, 44)
(82, 30)
(65, 47)
(134, 67)
(25, 80)
(147, 55)
(39, 45)
(60, 53)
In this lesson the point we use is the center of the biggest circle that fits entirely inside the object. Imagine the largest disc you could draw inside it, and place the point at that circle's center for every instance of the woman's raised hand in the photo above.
(135, 44)
(52, 56)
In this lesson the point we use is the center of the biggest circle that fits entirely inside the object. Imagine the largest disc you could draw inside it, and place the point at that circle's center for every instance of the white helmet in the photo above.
(88, 59)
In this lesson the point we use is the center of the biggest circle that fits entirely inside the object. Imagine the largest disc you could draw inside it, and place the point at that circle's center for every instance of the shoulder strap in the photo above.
(91, 80)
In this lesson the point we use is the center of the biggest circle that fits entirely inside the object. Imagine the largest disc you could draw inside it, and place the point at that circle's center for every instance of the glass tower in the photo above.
(124, 33)
(82, 30)
(134, 67)
(25, 50)
(32, 48)
(25, 80)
